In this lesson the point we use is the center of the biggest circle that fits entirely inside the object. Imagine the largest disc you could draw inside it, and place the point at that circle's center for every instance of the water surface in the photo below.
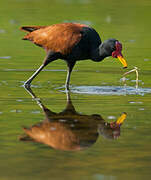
(96, 91)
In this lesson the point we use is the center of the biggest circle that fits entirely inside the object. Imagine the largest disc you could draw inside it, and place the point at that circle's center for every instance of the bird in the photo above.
(70, 130)
(71, 42)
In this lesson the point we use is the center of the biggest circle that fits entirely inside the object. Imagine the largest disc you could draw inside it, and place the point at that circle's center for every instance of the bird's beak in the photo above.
(121, 119)
(118, 122)
(122, 60)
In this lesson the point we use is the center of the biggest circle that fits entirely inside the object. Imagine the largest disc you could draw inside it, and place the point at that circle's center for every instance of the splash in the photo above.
(111, 90)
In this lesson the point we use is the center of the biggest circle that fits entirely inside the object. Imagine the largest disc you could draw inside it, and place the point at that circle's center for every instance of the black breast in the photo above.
(90, 40)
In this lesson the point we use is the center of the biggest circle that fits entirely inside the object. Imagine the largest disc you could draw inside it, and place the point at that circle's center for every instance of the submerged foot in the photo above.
(26, 85)
(67, 88)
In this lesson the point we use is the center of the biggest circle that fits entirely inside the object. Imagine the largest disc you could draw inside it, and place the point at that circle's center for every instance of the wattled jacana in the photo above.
(71, 42)
(70, 130)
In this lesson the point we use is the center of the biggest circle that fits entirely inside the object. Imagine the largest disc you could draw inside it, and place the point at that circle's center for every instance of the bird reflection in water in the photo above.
(69, 130)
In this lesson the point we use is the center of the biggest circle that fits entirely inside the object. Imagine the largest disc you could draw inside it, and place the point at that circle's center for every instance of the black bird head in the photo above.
(113, 47)
(112, 130)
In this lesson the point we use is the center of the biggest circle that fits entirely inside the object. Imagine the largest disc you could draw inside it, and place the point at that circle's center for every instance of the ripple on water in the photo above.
(5, 57)
(111, 90)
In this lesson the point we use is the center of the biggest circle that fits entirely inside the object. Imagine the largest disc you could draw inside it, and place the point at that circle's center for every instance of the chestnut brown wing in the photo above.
(58, 38)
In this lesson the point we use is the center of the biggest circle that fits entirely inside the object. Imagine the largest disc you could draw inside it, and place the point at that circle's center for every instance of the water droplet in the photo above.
(141, 109)
(19, 100)
(134, 102)
(131, 102)
(35, 112)
(16, 110)
(111, 117)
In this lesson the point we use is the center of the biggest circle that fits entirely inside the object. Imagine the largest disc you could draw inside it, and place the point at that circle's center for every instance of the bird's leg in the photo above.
(29, 90)
(70, 67)
(27, 83)
(69, 107)
(49, 58)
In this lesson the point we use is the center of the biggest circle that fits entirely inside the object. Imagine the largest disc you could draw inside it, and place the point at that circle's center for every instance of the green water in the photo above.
(126, 157)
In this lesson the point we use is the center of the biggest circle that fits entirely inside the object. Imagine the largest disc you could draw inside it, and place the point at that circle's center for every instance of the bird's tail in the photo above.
(31, 28)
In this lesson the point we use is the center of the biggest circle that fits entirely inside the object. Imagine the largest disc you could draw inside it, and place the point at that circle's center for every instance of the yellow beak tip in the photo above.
(123, 61)
(125, 67)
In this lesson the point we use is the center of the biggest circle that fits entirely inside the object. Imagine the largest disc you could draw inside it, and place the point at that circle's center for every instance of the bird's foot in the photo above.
(67, 88)
(26, 85)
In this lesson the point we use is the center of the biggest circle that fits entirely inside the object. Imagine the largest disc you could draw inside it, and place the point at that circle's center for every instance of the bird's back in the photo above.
(63, 37)
(58, 37)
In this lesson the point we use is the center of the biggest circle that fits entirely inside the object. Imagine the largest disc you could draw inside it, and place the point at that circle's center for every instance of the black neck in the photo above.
(99, 54)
